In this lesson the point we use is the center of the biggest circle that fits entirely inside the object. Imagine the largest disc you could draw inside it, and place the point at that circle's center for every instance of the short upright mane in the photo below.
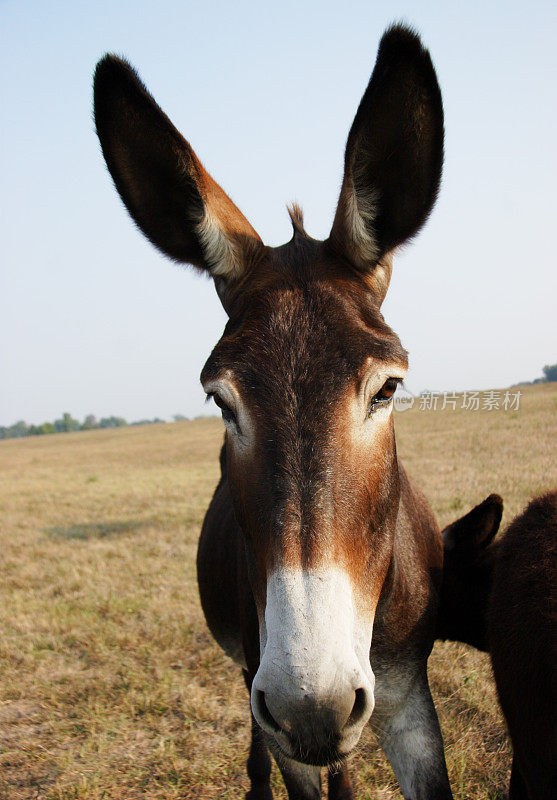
(297, 219)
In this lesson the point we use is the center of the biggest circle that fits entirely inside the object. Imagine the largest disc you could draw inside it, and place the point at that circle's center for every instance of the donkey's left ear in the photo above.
(474, 532)
(393, 160)
(169, 194)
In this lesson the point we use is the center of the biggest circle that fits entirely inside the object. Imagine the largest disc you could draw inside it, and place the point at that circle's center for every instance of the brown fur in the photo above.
(502, 597)
(522, 636)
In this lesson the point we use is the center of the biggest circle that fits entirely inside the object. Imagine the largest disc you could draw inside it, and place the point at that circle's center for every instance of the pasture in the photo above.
(110, 684)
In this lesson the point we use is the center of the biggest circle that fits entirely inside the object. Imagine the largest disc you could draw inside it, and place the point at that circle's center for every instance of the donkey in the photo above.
(319, 560)
(502, 597)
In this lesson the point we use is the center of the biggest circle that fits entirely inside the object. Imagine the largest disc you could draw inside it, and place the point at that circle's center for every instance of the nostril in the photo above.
(263, 713)
(359, 707)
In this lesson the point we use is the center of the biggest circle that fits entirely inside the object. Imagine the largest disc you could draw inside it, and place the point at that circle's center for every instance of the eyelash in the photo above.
(227, 414)
(384, 395)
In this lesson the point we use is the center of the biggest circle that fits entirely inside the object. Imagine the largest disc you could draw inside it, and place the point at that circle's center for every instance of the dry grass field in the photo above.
(110, 684)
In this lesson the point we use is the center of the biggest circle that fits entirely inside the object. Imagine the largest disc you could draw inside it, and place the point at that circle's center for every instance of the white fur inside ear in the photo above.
(220, 252)
(361, 211)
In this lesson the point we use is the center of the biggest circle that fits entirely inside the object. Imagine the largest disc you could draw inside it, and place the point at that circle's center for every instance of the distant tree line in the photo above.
(549, 376)
(67, 423)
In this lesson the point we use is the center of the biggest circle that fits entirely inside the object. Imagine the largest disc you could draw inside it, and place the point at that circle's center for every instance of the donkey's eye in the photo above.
(384, 395)
(227, 414)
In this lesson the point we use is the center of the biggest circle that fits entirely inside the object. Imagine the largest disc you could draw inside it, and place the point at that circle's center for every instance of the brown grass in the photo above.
(110, 684)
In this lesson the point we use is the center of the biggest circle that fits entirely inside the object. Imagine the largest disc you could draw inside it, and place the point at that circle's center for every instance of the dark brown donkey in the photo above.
(502, 597)
(315, 538)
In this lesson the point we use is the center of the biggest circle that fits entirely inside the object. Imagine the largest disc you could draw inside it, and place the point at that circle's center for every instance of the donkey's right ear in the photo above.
(171, 197)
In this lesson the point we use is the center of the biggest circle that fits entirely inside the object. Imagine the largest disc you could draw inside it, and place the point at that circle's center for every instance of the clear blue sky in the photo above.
(92, 319)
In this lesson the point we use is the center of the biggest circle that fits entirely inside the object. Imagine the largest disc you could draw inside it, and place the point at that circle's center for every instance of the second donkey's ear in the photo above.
(393, 160)
(475, 531)
(170, 196)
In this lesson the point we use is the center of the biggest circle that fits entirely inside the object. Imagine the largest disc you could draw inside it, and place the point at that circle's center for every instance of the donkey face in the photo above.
(304, 374)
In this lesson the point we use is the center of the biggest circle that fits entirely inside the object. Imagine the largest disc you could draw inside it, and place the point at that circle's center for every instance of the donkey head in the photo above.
(304, 374)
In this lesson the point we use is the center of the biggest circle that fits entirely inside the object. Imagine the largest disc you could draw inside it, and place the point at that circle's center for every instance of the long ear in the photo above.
(476, 530)
(171, 197)
(393, 160)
